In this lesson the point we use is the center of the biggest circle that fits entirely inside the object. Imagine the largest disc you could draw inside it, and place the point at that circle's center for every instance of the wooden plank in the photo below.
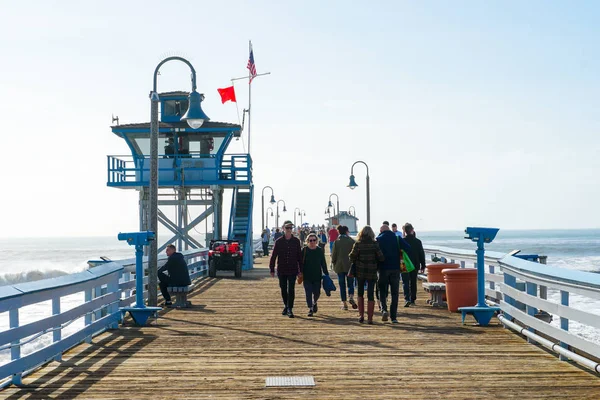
(234, 337)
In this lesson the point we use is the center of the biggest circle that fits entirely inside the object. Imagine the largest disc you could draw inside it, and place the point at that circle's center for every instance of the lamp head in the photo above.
(194, 115)
(284, 209)
(352, 183)
(272, 199)
(271, 213)
(329, 205)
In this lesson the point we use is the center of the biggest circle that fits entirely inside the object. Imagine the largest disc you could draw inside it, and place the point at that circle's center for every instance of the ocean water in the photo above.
(38, 258)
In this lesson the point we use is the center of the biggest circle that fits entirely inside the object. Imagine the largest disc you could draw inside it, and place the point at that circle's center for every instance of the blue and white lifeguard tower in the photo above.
(193, 170)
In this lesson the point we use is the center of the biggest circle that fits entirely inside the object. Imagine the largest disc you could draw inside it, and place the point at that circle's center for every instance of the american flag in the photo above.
(251, 66)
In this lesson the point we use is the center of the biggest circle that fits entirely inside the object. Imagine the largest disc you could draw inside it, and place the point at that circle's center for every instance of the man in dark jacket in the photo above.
(417, 256)
(178, 274)
(288, 254)
(389, 271)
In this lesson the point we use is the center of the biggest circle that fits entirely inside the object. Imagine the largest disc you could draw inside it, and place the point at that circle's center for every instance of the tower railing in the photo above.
(179, 170)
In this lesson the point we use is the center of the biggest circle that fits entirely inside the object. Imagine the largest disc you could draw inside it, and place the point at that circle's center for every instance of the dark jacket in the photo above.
(417, 254)
(366, 255)
(339, 256)
(288, 254)
(179, 274)
(390, 246)
(313, 263)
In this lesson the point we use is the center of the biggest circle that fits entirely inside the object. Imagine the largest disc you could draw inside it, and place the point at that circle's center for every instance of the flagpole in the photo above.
(249, 97)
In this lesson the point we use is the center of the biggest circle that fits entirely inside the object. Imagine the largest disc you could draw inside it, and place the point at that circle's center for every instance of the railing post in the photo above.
(88, 316)
(113, 287)
(564, 322)
(511, 281)
(492, 272)
(56, 335)
(15, 351)
(531, 289)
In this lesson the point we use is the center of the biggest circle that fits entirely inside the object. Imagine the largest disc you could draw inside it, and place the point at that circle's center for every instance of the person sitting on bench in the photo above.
(178, 274)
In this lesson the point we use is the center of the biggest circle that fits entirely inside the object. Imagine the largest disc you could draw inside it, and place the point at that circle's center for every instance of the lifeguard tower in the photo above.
(193, 170)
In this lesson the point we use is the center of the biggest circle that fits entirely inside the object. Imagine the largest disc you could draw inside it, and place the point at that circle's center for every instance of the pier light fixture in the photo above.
(284, 210)
(267, 217)
(352, 211)
(302, 214)
(263, 204)
(195, 117)
(299, 213)
(353, 184)
(337, 205)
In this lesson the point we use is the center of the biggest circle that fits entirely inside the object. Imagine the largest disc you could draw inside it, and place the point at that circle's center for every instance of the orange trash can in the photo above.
(461, 287)
(434, 271)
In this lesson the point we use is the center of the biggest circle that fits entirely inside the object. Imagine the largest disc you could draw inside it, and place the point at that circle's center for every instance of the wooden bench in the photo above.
(180, 293)
(437, 292)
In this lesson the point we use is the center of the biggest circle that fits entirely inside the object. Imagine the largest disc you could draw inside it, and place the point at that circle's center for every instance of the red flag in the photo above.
(227, 94)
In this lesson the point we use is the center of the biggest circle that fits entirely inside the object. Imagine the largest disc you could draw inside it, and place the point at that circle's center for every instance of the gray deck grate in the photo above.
(279, 381)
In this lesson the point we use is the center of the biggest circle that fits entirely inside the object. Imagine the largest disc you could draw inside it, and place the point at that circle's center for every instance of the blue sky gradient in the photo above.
(467, 112)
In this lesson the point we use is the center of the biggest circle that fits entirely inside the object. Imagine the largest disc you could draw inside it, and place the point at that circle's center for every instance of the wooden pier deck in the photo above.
(234, 337)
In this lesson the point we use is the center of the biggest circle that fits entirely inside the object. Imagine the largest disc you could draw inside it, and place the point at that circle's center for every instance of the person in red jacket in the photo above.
(333, 235)
(288, 254)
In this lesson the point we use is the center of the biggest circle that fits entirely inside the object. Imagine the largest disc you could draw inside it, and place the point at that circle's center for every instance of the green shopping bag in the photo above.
(409, 265)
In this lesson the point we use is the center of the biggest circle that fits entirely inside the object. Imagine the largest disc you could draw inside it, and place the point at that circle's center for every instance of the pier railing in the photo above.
(105, 288)
(530, 293)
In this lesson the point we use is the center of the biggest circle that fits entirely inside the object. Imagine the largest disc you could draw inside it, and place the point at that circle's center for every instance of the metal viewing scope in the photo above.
(137, 238)
(477, 233)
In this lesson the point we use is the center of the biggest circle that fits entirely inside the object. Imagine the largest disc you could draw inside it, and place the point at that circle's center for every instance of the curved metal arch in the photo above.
(178, 59)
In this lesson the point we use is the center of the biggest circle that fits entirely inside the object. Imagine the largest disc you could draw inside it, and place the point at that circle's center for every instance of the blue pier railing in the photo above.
(230, 171)
(105, 289)
(535, 300)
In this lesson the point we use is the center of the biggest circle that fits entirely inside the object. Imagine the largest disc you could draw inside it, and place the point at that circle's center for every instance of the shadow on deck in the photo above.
(234, 337)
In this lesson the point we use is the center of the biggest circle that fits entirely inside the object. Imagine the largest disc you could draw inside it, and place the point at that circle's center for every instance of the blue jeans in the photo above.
(342, 278)
(331, 247)
(313, 292)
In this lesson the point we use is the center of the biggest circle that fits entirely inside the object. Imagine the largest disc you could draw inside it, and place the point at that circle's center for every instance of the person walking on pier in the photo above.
(389, 271)
(417, 256)
(332, 236)
(178, 273)
(277, 234)
(322, 239)
(366, 254)
(341, 265)
(266, 238)
(313, 264)
(288, 254)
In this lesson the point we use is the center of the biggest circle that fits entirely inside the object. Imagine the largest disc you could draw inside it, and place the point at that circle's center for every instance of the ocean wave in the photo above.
(30, 276)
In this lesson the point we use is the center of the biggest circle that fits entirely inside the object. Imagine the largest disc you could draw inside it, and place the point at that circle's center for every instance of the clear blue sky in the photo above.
(467, 112)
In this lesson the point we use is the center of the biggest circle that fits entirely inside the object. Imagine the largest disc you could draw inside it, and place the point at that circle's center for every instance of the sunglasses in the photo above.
(312, 240)
(288, 227)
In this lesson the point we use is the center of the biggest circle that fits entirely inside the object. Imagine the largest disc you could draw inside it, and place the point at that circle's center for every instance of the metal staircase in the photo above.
(240, 223)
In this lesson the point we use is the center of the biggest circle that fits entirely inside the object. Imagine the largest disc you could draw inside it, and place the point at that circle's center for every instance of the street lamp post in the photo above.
(195, 117)
(352, 213)
(272, 201)
(353, 184)
(277, 217)
(299, 213)
(302, 214)
(267, 216)
(337, 205)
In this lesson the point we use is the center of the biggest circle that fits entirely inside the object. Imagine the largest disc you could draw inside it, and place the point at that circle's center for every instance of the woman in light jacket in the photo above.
(341, 265)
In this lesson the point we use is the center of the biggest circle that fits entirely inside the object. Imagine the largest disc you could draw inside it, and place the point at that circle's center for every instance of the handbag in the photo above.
(407, 262)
